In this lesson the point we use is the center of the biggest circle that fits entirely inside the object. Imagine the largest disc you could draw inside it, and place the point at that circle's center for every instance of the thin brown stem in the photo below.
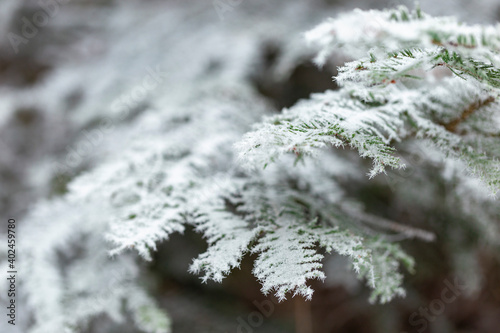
(303, 316)
(452, 125)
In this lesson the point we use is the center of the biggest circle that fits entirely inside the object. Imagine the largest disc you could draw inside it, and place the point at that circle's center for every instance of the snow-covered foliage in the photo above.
(192, 159)
(393, 93)
(92, 285)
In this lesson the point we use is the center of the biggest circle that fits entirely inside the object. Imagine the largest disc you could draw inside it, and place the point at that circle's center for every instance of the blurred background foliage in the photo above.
(66, 78)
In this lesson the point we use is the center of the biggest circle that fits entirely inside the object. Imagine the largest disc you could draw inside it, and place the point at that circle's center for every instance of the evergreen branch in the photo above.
(467, 112)
(359, 32)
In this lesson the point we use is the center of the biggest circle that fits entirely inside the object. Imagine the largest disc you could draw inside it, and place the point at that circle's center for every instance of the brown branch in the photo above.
(452, 125)
(406, 230)
(303, 318)
(378, 221)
